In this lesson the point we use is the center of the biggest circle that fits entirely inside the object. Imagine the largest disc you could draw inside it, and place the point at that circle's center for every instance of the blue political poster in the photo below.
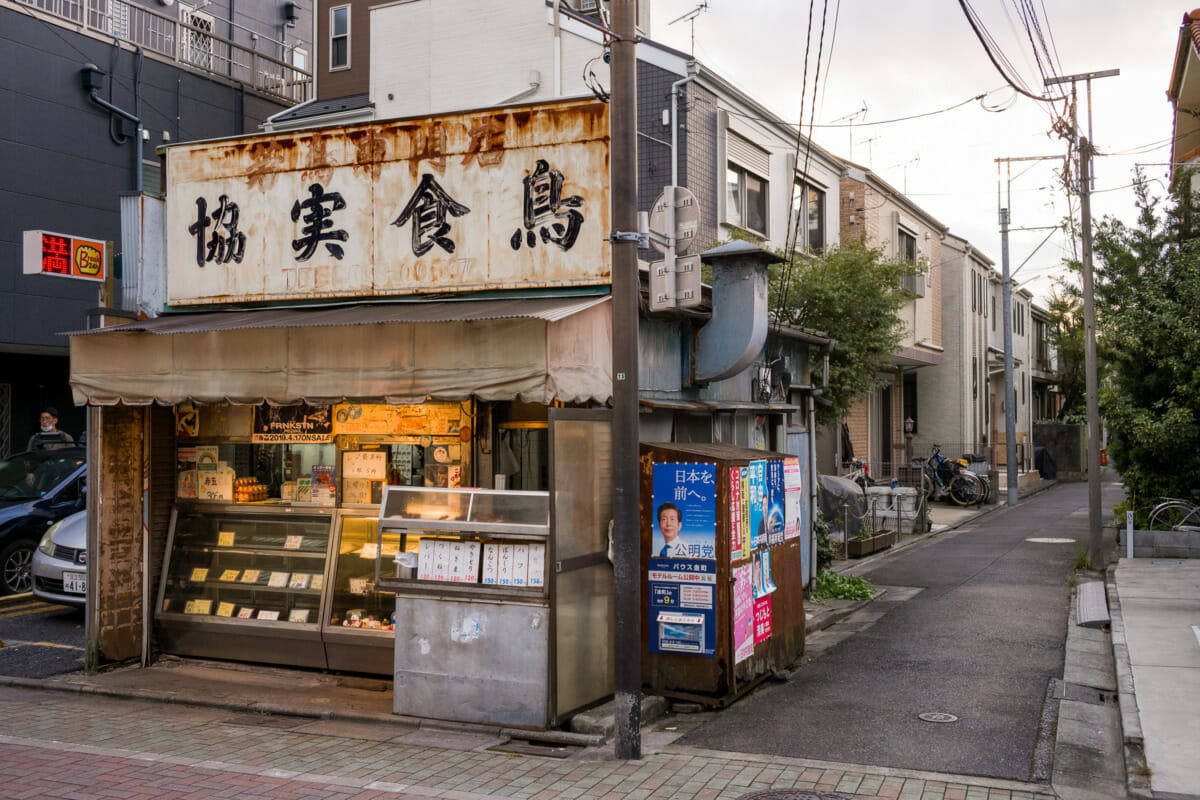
(685, 511)
(758, 504)
(775, 501)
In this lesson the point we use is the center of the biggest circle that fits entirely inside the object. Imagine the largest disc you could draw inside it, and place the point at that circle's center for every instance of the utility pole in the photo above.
(1010, 408)
(1091, 381)
(627, 540)
(1010, 392)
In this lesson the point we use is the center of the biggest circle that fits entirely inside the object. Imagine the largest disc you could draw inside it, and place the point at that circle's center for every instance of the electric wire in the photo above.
(996, 56)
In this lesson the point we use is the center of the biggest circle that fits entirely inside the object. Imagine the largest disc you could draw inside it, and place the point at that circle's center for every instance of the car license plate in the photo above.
(75, 582)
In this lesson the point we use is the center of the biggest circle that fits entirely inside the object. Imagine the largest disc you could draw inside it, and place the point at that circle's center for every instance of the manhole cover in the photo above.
(794, 794)
(1050, 540)
(938, 716)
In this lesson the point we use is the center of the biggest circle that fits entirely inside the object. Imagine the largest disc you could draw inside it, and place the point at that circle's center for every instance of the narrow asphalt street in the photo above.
(973, 625)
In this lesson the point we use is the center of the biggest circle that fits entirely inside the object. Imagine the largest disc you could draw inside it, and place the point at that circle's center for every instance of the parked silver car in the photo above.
(60, 562)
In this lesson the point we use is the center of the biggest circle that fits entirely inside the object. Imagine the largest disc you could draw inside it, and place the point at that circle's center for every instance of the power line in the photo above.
(867, 124)
(984, 37)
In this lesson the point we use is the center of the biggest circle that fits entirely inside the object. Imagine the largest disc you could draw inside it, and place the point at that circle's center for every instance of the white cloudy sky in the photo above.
(914, 56)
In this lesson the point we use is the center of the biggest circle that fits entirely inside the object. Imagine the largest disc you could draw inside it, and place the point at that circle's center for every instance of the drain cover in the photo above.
(938, 716)
(794, 794)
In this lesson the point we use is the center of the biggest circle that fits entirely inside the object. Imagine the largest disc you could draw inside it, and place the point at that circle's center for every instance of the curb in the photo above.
(1131, 722)
(552, 736)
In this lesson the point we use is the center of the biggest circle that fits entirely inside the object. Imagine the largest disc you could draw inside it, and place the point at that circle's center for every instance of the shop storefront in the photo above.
(257, 446)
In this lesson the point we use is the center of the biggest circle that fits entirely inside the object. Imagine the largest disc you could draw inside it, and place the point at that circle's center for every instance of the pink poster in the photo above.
(743, 614)
(762, 619)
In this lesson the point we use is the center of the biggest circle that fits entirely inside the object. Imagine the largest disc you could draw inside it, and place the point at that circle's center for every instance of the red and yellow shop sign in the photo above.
(46, 253)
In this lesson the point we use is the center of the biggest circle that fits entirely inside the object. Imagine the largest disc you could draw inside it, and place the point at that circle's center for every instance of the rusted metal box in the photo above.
(707, 654)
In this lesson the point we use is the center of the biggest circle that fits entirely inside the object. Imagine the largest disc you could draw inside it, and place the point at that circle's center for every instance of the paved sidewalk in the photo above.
(58, 744)
(1156, 636)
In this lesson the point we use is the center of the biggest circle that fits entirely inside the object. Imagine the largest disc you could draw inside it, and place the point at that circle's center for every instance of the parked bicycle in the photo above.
(944, 477)
(858, 471)
(1174, 513)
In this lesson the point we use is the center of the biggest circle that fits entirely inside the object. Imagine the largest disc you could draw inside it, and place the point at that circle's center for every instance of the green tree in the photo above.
(853, 294)
(1148, 312)
(1066, 335)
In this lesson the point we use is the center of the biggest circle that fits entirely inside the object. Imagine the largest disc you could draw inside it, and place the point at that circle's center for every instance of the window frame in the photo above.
(742, 199)
(803, 212)
(334, 36)
(902, 251)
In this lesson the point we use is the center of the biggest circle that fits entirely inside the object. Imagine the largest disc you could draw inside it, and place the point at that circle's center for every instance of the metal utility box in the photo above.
(725, 535)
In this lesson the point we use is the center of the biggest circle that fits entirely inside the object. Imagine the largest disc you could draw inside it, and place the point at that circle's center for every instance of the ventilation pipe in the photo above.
(733, 339)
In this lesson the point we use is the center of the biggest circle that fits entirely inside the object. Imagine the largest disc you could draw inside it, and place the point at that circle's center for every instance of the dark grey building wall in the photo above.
(62, 171)
(697, 143)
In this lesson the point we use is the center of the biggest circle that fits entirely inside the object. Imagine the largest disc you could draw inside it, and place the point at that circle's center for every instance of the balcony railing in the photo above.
(190, 44)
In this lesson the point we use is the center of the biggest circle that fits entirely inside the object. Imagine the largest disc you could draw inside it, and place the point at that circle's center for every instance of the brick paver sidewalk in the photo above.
(83, 747)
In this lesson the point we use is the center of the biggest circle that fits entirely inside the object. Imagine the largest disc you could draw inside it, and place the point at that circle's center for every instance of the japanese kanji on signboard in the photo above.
(64, 256)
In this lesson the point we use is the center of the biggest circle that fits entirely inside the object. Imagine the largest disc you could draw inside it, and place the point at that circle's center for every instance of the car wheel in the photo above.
(16, 572)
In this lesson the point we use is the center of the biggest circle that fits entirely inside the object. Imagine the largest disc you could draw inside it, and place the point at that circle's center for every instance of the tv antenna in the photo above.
(691, 17)
(904, 165)
(850, 118)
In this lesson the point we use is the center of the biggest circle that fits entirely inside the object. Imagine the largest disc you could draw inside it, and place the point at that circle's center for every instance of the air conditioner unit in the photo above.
(584, 6)
(914, 284)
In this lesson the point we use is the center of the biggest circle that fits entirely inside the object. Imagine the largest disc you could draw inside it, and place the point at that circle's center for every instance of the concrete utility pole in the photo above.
(627, 541)
(1010, 408)
(1010, 392)
(1092, 383)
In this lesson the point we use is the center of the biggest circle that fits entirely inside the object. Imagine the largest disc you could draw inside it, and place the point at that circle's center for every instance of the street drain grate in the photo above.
(937, 716)
(794, 794)
(543, 749)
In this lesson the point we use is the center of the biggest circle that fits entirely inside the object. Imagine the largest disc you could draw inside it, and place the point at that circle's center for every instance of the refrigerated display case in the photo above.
(245, 584)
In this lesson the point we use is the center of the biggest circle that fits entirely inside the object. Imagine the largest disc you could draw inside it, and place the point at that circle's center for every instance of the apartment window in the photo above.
(906, 245)
(745, 199)
(300, 59)
(993, 313)
(339, 37)
(808, 217)
(974, 291)
(974, 377)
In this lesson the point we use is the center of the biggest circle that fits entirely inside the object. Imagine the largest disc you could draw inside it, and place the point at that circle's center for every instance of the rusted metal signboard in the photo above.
(506, 198)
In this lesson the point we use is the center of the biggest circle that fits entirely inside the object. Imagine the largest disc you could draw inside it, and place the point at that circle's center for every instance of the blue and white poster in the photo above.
(685, 511)
(683, 617)
(758, 504)
(775, 497)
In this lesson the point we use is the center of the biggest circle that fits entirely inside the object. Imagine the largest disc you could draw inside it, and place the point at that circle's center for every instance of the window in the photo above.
(906, 245)
(974, 377)
(745, 199)
(974, 291)
(993, 313)
(339, 37)
(300, 59)
(808, 217)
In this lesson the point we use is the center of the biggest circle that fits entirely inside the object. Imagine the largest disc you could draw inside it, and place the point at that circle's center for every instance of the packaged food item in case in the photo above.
(248, 490)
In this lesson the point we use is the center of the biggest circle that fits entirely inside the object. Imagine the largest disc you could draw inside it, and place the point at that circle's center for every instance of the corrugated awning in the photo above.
(537, 350)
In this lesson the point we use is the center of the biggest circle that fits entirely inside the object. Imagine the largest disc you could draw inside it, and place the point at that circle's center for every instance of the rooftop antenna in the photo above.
(867, 142)
(691, 17)
(904, 165)
(861, 113)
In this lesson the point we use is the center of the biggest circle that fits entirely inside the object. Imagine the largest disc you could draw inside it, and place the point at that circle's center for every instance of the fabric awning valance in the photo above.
(536, 350)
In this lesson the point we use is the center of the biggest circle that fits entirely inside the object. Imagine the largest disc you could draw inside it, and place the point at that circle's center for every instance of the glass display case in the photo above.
(245, 584)
(358, 627)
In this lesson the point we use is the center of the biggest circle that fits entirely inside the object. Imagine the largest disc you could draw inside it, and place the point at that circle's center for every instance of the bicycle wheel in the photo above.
(1168, 515)
(927, 486)
(966, 489)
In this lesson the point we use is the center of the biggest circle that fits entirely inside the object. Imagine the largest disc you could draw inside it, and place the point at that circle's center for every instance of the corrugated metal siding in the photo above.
(548, 309)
